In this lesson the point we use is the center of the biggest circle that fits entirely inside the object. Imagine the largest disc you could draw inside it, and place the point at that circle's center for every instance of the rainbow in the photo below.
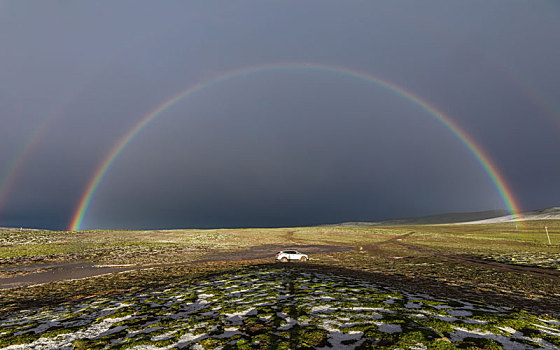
(13, 170)
(549, 110)
(484, 160)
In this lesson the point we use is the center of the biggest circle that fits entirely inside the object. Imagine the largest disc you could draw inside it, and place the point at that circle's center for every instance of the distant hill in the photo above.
(478, 217)
(552, 213)
(448, 218)
(14, 229)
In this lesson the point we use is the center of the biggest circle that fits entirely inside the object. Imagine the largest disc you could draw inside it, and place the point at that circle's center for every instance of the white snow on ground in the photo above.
(290, 323)
(336, 339)
(163, 336)
(338, 309)
(245, 312)
(508, 329)
(328, 326)
(549, 330)
(365, 309)
(550, 322)
(446, 318)
(552, 213)
(188, 338)
(322, 309)
(471, 321)
(461, 334)
(65, 340)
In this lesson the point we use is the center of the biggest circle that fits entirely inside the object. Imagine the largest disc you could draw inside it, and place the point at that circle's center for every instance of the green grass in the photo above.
(417, 257)
(42, 249)
(501, 237)
(276, 307)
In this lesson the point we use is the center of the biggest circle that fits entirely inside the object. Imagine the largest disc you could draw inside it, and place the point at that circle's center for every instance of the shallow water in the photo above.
(55, 272)
(76, 270)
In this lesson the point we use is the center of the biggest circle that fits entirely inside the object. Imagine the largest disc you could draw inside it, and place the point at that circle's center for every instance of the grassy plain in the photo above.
(511, 269)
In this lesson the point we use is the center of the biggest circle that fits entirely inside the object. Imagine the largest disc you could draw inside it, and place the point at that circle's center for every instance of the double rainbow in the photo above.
(484, 160)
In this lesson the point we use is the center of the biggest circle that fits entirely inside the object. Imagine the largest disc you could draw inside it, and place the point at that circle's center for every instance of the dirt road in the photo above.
(462, 258)
(472, 260)
(45, 273)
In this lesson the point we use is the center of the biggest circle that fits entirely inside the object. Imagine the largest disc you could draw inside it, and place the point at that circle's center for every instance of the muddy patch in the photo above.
(46, 273)
(28, 275)
(268, 251)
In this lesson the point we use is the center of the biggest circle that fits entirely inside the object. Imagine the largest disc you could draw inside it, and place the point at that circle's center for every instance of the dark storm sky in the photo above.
(277, 148)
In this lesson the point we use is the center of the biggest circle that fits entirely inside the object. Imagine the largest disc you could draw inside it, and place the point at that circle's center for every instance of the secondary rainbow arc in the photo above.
(11, 174)
(13, 171)
(485, 161)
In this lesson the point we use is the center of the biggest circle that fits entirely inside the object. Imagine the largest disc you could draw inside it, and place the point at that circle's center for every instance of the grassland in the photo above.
(499, 282)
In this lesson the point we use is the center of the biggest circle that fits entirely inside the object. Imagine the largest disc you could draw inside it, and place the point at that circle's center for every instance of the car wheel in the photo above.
(303, 259)
(284, 259)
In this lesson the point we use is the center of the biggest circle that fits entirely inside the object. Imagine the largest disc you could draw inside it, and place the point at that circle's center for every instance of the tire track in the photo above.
(554, 274)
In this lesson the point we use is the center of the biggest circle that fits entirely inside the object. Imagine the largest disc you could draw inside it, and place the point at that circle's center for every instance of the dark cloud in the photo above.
(275, 148)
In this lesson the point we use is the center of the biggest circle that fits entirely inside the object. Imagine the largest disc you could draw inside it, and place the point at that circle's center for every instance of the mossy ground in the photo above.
(398, 287)
(276, 307)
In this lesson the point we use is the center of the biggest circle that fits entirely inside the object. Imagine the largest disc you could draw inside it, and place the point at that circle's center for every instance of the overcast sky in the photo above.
(275, 148)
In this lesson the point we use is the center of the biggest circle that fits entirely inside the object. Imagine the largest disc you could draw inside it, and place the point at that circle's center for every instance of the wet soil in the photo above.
(35, 274)
(268, 251)
(467, 259)
(495, 265)
(436, 288)
(39, 274)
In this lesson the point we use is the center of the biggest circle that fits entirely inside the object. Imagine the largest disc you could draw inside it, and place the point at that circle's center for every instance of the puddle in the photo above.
(55, 272)
(75, 270)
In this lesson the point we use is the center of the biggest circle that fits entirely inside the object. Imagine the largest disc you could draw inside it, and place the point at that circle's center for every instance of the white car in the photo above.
(287, 255)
